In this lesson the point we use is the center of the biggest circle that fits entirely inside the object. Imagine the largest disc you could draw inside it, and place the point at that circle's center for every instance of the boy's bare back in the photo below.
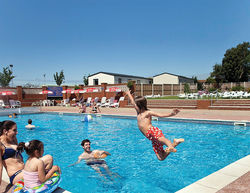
(144, 121)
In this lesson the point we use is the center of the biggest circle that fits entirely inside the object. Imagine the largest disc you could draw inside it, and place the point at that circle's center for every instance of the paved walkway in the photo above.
(185, 113)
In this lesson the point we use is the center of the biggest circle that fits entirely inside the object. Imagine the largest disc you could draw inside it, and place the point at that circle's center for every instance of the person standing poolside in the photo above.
(82, 108)
(95, 108)
(94, 158)
(10, 158)
(144, 118)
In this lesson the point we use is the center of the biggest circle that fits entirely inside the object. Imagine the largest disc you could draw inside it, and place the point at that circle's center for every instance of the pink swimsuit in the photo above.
(153, 134)
(31, 179)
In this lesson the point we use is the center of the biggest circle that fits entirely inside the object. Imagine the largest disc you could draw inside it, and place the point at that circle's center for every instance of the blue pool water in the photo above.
(207, 148)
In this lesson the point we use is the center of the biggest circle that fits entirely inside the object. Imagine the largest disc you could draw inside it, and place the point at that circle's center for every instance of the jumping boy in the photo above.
(144, 117)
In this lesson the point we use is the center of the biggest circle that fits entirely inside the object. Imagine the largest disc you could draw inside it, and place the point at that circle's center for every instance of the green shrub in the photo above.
(237, 88)
(77, 87)
(186, 88)
(212, 89)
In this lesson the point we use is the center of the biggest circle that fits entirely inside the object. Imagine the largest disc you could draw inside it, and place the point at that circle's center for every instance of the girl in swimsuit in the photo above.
(10, 158)
(34, 172)
(144, 117)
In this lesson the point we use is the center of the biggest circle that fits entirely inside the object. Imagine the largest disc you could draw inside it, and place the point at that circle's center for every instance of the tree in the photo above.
(59, 78)
(210, 80)
(6, 76)
(186, 88)
(199, 84)
(235, 64)
(85, 80)
(218, 74)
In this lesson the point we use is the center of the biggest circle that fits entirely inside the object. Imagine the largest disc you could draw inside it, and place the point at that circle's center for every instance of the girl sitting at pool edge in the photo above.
(35, 171)
(144, 117)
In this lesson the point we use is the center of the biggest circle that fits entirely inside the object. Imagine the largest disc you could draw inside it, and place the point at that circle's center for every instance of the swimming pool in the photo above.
(208, 147)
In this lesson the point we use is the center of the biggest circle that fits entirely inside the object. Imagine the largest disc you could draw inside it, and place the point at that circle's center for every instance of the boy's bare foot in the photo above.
(170, 149)
(178, 141)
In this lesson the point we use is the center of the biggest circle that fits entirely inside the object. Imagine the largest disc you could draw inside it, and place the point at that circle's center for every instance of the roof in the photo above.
(173, 75)
(123, 75)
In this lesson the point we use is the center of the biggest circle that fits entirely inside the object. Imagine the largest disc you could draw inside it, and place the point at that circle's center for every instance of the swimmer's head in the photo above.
(86, 145)
(84, 141)
(29, 121)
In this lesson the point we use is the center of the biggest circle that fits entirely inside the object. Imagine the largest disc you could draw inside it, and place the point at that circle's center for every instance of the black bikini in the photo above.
(8, 153)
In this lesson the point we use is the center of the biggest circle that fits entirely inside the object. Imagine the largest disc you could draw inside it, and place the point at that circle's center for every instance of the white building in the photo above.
(114, 78)
(167, 78)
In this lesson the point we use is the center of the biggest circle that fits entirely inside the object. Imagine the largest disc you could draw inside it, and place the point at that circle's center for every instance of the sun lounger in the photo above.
(110, 102)
(117, 104)
(102, 103)
(14, 104)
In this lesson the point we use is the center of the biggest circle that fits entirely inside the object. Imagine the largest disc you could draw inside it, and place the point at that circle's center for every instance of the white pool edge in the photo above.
(219, 179)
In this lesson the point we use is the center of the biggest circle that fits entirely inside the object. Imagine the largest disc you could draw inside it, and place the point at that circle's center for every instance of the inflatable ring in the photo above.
(98, 156)
(47, 187)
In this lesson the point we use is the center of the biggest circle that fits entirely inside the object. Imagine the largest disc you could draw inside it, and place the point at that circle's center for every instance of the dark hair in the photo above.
(30, 147)
(6, 125)
(84, 141)
(141, 103)
(29, 121)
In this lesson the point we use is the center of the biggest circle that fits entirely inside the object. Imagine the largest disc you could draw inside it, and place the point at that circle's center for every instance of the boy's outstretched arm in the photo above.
(173, 113)
(131, 98)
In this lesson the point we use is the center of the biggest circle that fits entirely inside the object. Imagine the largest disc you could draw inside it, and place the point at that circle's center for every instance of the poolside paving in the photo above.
(232, 115)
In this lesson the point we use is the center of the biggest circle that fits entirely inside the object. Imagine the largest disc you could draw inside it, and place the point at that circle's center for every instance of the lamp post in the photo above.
(11, 68)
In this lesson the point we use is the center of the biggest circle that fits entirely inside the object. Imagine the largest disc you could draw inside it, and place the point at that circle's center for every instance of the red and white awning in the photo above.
(7, 93)
(113, 89)
(67, 91)
(78, 91)
(46, 92)
(92, 90)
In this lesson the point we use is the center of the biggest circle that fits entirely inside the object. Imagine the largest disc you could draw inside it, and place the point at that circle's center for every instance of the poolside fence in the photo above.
(29, 96)
(175, 89)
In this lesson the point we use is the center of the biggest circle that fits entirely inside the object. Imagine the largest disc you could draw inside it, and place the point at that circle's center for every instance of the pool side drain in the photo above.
(240, 124)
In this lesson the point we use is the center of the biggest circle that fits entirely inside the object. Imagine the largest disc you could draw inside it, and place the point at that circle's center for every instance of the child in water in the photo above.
(30, 126)
(144, 117)
(34, 172)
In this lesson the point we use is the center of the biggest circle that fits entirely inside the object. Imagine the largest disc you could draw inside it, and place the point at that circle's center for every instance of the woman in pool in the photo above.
(10, 157)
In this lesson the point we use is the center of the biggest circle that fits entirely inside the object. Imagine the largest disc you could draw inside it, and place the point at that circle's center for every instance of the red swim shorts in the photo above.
(153, 134)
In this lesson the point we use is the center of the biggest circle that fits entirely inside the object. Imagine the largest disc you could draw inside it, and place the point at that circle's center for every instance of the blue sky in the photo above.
(135, 37)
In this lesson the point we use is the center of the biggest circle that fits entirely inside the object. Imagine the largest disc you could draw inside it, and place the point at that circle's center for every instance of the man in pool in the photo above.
(94, 158)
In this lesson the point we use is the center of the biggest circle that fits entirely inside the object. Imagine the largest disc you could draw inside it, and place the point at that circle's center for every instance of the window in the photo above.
(138, 82)
(95, 81)
(119, 80)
